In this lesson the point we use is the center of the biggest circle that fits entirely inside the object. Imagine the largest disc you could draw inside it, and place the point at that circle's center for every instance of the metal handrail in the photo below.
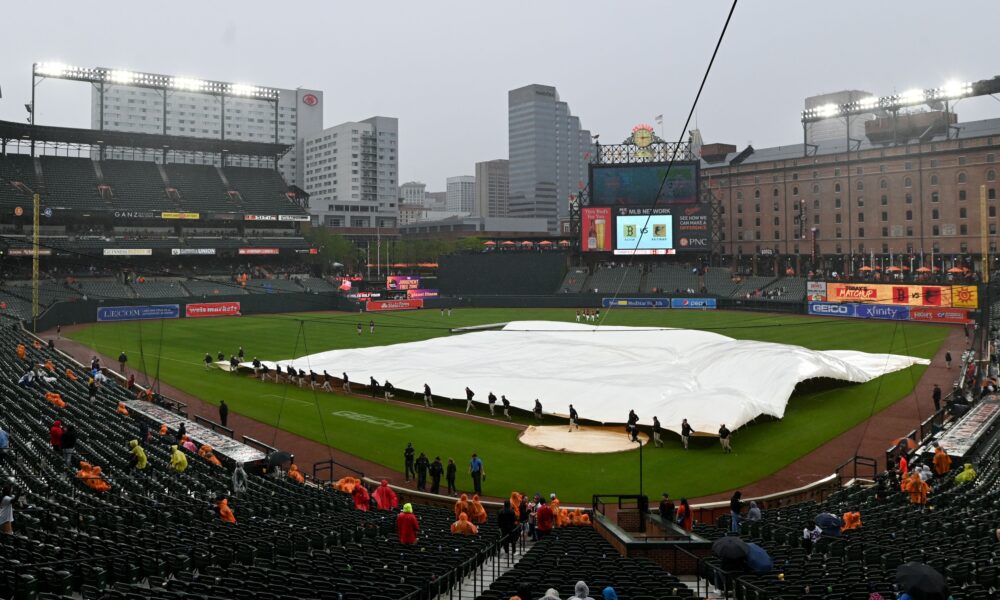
(217, 427)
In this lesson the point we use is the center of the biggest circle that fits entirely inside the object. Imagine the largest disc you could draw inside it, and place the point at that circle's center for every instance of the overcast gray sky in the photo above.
(444, 68)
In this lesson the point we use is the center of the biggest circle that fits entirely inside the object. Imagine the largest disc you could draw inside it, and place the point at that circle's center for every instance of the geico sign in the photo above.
(831, 309)
(373, 420)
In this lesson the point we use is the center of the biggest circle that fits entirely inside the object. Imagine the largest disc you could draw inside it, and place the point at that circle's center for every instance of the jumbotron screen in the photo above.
(661, 184)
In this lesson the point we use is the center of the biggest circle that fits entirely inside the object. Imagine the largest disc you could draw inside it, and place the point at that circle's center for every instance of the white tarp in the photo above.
(707, 378)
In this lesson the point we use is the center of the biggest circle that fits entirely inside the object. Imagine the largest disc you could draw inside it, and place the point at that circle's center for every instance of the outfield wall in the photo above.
(86, 311)
(574, 301)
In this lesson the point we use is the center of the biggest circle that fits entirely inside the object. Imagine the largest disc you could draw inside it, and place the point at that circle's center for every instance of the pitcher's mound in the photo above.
(586, 440)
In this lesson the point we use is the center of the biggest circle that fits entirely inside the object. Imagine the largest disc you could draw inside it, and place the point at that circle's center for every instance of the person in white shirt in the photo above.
(7, 498)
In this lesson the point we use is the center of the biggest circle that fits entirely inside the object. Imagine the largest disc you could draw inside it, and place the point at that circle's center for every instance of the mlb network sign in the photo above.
(860, 311)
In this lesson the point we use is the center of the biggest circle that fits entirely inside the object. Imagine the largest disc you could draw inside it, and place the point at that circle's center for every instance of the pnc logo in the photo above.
(310, 100)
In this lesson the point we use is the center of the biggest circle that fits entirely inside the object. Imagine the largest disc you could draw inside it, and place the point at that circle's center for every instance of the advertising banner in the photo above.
(135, 214)
(831, 309)
(378, 305)
(692, 229)
(364, 295)
(901, 294)
(128, 252)
(940, 315)
(644, 231)
(212, 309)
(635, 302)
(402, 282)
(965, 296)
(28, 252)
(258, 250)
(260, 217)
(138, 313)
(860, 311)
(421, 293)
(304, 218)
(180, 215)
(192, 251)
(816, 291)
(692, 303)
(596, 228)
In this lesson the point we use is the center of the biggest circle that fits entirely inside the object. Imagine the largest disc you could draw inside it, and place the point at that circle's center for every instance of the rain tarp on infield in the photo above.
(705, 377)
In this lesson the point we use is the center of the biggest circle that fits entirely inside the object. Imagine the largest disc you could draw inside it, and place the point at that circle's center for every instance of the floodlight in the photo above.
(242, 89)
(954, 89)
(123, 77)
(827, 110)
(913, 96)
(868, 103)
(186, 83)
(51, 69)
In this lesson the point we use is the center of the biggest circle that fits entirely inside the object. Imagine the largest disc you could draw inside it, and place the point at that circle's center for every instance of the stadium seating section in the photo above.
(671, 279)
(71, 183)
(200, 188)
(574, 280)
(260, 190)
(16, 168)
(609, 280)
(156, 534)
(136, 185)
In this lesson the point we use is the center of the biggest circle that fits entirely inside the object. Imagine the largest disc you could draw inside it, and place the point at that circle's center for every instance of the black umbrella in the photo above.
(730, 548)
(828, 521)
(921, 582)
(278, 458)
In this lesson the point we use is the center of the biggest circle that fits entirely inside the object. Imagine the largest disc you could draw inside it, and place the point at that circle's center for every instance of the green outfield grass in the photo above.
(175, 350)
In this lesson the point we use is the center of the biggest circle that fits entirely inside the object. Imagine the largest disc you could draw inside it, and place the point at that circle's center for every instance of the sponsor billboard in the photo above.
(128, 252)
(940, 315)
(212, 309)
(402, 282)
(377, 305)
(644, 185)
(135, 214)
(192, 216)
(691, 228)
(644, 231)
(860, 311)
(816, 291)
(258, 250)
(635, 302)
(260, 217)
(28, 252)
(831, 309)
(364, 295)
(421, 293)
(303, 218)
(138, 313)
(192, 251)
(692, 303)
(596, 228)
(902, 294)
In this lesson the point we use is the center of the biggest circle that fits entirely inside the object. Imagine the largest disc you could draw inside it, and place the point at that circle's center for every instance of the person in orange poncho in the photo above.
(584, 520)
(463, 526)
(477, 513)
(92, 477)
(462, 505)
(362, 500)
(942, 462)
(562, 518)
(852, 520)
(163, 429)
(55, 399)
(294, 474)
(208, 454)
(385, 497)
(904, 466)
(554, 504)
(515, 504)
(917, 489)
(48, 365)
(225, 513)
(22, 352)
(346, 484)
(70, 374)
(121, 409)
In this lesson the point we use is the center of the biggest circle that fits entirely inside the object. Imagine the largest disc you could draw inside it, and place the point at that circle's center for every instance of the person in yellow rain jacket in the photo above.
(967, 474)
(139, 460)
(178, 462)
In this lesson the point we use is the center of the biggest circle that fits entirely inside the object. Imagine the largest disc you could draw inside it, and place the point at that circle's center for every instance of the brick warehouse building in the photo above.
(908, 200)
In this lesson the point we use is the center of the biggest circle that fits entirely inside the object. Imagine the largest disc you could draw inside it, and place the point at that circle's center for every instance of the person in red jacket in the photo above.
(544, 519)
(685, 518)
(361, 497)
(385, 497)
(407, 525)
(55, 435)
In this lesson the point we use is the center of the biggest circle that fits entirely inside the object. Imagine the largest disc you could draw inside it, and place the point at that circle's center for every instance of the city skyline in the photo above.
(754, 94)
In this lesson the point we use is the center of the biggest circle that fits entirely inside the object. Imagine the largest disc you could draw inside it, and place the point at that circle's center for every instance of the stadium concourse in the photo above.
(865, 439)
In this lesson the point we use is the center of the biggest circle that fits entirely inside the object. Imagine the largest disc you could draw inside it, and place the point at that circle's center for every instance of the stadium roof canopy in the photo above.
(25, 132)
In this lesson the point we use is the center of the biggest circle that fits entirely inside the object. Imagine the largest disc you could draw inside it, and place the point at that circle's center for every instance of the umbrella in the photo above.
(545, 243)
(828, 521)
(865, 268)
(564, 242)
(758, 560)
(278, 458)
(921, 582)
(923, 270)
(956, 270)
(489, 243)
(526, 244)
(894, 269)
(910, 443)
(730, 547)
(507, 243)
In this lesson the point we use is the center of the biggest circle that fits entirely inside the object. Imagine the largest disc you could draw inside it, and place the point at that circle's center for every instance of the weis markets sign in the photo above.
(378, 305)
(138, 313)
(212, 309)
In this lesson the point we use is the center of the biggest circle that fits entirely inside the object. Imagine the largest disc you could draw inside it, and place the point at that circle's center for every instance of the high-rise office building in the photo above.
(492, 188)
(191, 114)
(548, 154)
(413, 193)
(461, 193)
(351, 174)
(437, 201)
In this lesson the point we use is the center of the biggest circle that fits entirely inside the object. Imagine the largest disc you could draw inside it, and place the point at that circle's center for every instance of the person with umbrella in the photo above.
(829, 524)
(918, 581)
(732, 552)
(758, 560)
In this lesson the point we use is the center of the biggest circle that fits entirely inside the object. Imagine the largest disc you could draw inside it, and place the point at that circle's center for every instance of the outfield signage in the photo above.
(378, 305)
(635, 302)
(959, 296)
(816, 291)
(138, 313)
(940, 315)
(860, 311)
(135, 214)
(421, 293)
(212, 309)
(692, 303)
(192, 251)
(28, 252)
(191, 216)
(128, 252)
(257, 251)
(260, 217)
(304, 218)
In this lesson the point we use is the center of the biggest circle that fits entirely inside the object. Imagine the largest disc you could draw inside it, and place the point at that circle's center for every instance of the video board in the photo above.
(660, 184)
